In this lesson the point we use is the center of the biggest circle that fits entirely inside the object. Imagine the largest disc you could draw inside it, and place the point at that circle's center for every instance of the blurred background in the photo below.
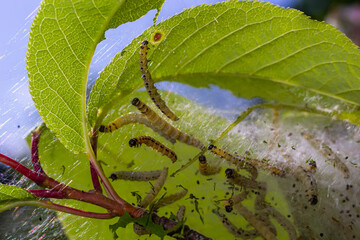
(18, 115)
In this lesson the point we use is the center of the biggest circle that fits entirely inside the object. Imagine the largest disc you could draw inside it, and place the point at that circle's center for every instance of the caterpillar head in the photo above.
(202, 159)
(228, 206)
(229, 173)
(313, 200)
(102, 128)
(211, 147)
(113, 176)
(135, 102)
(145, 42)
(133, 142)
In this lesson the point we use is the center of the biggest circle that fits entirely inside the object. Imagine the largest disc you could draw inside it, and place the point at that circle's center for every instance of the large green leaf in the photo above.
(63, 39)
(252, 48)
(12, 196)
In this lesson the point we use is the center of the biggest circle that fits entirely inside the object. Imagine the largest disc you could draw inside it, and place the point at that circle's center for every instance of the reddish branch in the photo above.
(59, 190)
(35, 137)
(94, 175)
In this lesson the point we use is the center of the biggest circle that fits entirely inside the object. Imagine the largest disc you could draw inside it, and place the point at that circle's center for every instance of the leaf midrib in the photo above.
(247, 76)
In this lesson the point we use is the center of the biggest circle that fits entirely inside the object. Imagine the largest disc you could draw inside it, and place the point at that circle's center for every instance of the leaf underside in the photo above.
(253, 49)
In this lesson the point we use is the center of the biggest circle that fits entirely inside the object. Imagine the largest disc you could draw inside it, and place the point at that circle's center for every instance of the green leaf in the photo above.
(11, 195)
(63, 39)
(251, 48)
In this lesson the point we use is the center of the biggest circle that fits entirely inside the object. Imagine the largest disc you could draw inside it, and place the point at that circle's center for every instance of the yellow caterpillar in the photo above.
(149, 84)
(239, 162)
(165, 127)
(154, 144)
(247, 163)
(205, 168)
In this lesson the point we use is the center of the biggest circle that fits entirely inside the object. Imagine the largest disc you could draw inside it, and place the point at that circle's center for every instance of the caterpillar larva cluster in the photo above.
(165, 127)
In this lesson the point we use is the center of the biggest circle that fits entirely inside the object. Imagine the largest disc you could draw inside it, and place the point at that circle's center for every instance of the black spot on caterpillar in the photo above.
(136, 175)
(155, 189)
(132, 118)
(165, 127)
(205, 168)
(149, 84)
(154, 144)
(237, 179)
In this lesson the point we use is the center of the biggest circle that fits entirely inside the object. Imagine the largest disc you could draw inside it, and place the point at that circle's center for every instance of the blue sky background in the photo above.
(17, 112)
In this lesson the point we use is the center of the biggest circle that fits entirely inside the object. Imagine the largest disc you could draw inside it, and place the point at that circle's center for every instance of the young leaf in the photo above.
(63, 38)
(10, 195)
(251, 48)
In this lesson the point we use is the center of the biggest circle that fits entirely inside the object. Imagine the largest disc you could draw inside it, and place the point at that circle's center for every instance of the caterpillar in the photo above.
(155, 190)
(156, 145)
(237, 179)
(149, 84)
(205, 168)
(229, 203)
(284, 222)
(237, 232)
(171, 199)
(136, 175)
(244, 162)
(239, 162)
(132, 118)
(180, 214)
(261, 208)
(312, 167)
(165, 127)
(309, 183)
(259, 225)
(306, 178)
(328, 153)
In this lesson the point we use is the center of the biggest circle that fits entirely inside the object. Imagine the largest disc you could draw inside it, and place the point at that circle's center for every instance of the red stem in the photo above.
(94, 175)
(96, 198)
(35, 138)
(36, 177)
(60, 190)
(57, 207)
(47, 194)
